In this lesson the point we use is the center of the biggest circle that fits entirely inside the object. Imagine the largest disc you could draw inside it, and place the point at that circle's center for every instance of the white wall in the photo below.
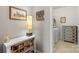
(68, 12)
(77, 22)
(13, 28)
(42, 29)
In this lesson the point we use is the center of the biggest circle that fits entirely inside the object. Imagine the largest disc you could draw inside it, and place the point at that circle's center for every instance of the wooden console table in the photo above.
(23, 44)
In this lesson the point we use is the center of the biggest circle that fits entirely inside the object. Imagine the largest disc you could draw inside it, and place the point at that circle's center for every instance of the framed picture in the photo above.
(63, 19)
(40, 15)
(17, 14)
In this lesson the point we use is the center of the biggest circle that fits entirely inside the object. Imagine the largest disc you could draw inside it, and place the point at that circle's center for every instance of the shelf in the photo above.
(31, 48)
(23, 47)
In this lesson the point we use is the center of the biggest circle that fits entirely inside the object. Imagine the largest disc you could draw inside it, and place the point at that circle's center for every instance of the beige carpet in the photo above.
(66, 47)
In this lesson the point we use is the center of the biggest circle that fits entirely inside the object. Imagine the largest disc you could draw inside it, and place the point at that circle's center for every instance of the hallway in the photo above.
(66, 47)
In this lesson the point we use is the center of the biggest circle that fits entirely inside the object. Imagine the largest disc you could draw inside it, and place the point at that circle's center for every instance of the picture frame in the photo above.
(17, 13)
(40, 15)
(63, 19)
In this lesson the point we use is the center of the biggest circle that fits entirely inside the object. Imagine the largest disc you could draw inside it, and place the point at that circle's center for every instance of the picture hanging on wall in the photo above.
(40, 15)
(63, 19)
(17, 13)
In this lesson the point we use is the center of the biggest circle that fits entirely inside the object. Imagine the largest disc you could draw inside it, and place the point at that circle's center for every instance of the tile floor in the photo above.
(66, 47)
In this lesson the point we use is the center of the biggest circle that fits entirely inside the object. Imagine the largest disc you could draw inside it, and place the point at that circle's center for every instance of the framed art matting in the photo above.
(63, 19)
(17, 13)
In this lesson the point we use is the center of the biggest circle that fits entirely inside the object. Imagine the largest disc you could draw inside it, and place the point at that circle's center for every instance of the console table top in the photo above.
(18, 40)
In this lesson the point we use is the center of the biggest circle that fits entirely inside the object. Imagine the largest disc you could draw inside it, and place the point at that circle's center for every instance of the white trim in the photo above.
(51, 34)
